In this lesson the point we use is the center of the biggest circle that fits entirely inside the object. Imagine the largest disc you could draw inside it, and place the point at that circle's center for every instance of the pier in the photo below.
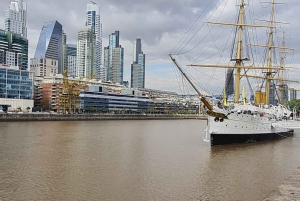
(84, 117)
(288, 190)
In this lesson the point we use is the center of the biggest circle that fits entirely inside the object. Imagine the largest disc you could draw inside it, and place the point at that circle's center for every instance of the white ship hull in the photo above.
(244, 128)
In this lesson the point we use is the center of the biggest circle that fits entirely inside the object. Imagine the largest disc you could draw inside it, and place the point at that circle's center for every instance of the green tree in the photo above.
(292, 104)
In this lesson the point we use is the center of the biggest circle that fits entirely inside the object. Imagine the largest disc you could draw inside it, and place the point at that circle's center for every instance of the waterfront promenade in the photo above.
(289, 190)
(84, 117)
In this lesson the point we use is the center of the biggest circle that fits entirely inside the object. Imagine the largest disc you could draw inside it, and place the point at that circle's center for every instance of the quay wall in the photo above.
(83, 117)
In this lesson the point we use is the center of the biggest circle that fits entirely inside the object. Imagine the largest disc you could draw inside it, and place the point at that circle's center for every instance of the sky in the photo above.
(165, 26)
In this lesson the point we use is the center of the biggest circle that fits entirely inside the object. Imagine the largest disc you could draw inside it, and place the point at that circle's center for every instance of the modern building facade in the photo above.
(44, 67)
(16, 88)
(293, 94)
(13, 50)
(229, 82)
(64, 52)
(138, 67)
(97, 99)
(114, 59)
(50, 43)
(71, 59)
(86, 54)
(93, 22)
(15, 18)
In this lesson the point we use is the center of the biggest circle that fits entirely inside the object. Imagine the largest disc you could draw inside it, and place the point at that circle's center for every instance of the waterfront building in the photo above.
(16, 87)
(229, 82)
(86, 54)
(114, 59)
(13, 50)
(44, 66)
(98, 98)
(293, 94)
(138, 67)
(50, 43)
(93, 22)
(15, 18)
(71, 59)
(64, 52)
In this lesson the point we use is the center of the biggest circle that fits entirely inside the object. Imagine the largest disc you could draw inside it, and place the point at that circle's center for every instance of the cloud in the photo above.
(165, 26)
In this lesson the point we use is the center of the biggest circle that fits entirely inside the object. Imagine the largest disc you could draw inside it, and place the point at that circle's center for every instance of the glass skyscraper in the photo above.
(93, 22)
(50, 43)
(114, 59)
(16, 84)
(86, 54)
(13, 50)
(15, 18)
(138, 67)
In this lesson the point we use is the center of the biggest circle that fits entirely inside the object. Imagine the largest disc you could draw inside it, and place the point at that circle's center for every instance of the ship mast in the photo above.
(270, 44)
(239, 53)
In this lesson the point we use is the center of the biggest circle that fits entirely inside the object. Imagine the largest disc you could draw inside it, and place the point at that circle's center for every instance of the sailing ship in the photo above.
(244, 123)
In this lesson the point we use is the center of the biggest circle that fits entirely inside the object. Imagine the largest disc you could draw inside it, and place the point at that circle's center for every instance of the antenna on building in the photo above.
(93, 2)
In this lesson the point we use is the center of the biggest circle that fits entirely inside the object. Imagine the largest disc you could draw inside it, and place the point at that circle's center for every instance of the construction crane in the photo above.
(69, 100)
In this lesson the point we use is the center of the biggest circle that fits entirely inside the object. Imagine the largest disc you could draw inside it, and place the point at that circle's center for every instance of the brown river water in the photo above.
(136, 160)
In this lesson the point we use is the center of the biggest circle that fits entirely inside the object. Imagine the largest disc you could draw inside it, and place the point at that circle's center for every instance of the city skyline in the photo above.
(161, 25)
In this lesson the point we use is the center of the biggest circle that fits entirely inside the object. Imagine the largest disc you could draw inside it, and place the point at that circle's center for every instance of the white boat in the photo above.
(245, 123)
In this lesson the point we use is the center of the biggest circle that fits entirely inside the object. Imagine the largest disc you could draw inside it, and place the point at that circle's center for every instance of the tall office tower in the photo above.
(64, 52)
(15, 18)
(86, 54)
(71, 59)
(93, 22)
(293, 94)
(229, 82)
(285, 93)
(50, 43)
(138, 67)
(13, 50)
(114, 59)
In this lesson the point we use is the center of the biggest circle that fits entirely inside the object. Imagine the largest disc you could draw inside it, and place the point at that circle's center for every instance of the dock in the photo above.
(289, 190)
(87, 117)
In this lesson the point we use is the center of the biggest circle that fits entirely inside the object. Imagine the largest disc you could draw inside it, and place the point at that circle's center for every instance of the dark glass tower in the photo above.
(138, 67)
(50, 43)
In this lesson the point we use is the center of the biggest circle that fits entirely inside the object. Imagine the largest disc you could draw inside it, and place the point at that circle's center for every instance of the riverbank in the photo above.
(83, 117)
(288, 190)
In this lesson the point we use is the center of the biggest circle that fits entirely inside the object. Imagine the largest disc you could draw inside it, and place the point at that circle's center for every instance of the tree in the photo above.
(28, 108)
(294, 103)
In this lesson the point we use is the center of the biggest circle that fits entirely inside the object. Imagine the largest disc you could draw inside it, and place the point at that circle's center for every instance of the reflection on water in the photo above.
(136, 160)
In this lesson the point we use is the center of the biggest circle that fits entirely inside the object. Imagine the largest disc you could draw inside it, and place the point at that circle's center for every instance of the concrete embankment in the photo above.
(289, 190)
(83, 117)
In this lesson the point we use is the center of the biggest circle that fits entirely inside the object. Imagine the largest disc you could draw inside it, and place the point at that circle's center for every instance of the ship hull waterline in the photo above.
(225, 139)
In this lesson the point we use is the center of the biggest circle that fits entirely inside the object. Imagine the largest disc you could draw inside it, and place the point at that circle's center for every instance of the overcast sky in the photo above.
(161, 24)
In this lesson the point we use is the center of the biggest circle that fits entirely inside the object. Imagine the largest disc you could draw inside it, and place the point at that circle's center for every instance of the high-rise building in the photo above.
(93, 22)
(64, 52)
(15, 18)
(50, 43)
(229, 82)
(293, 94)
(13, 50)
(138, 67)
(43, 67)
(71, 59)
(114, 59)
(86, 54)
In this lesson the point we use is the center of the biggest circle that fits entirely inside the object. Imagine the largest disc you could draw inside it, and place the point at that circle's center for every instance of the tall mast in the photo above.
(270, 44)
(239, 53)
(282, 55)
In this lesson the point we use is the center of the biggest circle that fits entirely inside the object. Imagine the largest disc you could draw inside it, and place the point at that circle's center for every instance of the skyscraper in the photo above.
(138, 67)
(13, 50)
(71, 59)
(114, 59)
(50, 43)
(86, 54)
(15, 18)
(93, 23)
(229, 82)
